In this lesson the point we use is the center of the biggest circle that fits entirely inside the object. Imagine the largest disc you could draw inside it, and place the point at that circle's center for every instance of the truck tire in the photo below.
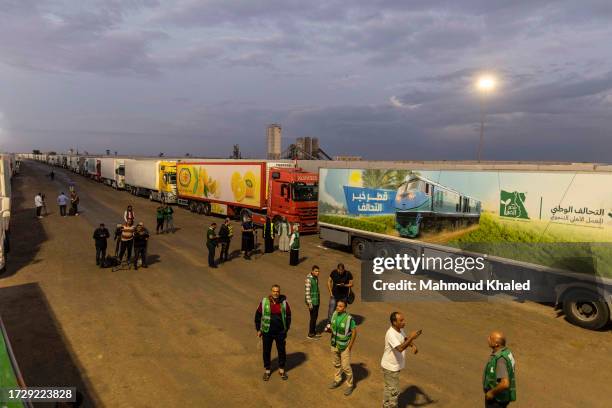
(151, 196)
(361, 248)
(206, 208)
(585, 309)
(193, 206)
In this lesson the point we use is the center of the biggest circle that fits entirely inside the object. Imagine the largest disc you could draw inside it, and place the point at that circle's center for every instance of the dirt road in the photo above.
(179, 334)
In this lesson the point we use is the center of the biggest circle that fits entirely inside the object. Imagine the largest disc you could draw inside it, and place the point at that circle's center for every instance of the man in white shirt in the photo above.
(38, 203)
(394, 357)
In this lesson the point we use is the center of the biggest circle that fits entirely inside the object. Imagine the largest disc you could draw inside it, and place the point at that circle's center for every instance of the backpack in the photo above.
(110, 261)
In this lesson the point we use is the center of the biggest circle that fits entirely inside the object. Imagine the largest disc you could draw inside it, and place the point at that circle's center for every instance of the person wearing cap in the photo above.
(100, 237)
(225, 237)
(141, 236)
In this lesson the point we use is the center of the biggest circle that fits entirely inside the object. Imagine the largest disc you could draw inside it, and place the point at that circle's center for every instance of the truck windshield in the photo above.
(305, 192)
(121, 171)
(172, 178)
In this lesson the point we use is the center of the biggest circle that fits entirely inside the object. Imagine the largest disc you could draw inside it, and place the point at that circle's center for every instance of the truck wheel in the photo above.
(585, 309)
(206, 208)
(360, 248)
(151, 196)
(193, 206)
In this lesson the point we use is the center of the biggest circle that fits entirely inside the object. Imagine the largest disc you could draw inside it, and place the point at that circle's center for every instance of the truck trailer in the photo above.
(548, 223)
(112, 172)
(151, 178)
(254, 188)
(7, 170)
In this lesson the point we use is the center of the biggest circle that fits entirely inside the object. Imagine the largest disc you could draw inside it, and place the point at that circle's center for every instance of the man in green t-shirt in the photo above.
(343, 331)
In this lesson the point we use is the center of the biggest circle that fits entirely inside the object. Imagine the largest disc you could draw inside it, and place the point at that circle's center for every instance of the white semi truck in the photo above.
(7, 169)
(151, 178)
(112, 172)
(549, 223)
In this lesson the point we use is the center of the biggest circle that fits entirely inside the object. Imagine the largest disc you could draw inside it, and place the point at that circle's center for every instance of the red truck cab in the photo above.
(293, 194)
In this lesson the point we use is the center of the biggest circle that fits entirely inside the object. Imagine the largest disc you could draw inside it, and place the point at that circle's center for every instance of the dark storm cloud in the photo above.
(410, 65)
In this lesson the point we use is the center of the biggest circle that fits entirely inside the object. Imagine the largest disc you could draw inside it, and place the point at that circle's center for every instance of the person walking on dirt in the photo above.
(312, 299)
(127, 241)
(339, 284)
(294, 245)
(225, 237)
(160, 214)
(343, 331)
(101, 236)
(62, 202)
(52, 175)
(141, 238)
(394, 357)
(74, 203)
(128, 215)
(38, 203)
(268, 235)
(211, 244)
(169, 218)
(284, 232)
(499, 383)
(272, 322)
(117, 238)
(248, 237)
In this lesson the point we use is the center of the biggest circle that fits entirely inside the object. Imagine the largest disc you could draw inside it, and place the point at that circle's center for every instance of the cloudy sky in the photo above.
(386, 79)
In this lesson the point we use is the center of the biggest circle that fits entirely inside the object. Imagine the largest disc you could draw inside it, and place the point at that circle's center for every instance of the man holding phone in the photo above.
(394, 357)
(339, 284)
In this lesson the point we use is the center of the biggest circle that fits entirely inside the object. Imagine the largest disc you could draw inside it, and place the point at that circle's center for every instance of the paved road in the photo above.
(181, 334)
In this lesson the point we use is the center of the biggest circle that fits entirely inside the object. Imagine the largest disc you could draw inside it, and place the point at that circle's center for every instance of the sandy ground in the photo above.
(179, 334)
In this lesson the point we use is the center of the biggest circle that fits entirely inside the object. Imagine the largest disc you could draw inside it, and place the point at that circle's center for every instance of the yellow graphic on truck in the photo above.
(239, 184)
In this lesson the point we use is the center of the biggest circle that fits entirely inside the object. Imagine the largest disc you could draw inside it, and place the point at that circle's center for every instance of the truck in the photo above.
(7, 170)
(112, 172)
(250, 188)
(92, 168)
(151, 178)
(548, 223)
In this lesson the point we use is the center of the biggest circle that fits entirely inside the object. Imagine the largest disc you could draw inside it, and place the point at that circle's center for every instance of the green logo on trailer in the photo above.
(512, 205)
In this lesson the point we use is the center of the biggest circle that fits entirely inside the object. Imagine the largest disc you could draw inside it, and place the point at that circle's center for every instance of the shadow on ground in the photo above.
(41, 350)
(413, 396)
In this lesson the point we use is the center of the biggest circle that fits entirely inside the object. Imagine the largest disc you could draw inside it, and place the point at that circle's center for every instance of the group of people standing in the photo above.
(288, 239)
(165, 219)
(273, 321)
(128, 238)
(62, 201)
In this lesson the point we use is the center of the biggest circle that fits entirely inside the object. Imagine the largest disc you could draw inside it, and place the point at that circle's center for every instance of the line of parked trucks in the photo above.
(426, 209)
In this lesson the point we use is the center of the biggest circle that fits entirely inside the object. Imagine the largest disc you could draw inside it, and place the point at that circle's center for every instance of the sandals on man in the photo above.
(266, 376)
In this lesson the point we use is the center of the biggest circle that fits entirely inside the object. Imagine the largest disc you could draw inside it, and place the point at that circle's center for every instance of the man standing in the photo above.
(169, 218)
(160, 214)
(225, 237)
(294, 245)
(268, 234)
(38, 203)
(141, 237)
(339, 284)
(101, 236)
(211, 244)
(248, 237)
(74, 203)
(312, 301)
(499, 383)
(127, 241)
(394, 357)
(62, 201)
(272, 322)
(343, 334)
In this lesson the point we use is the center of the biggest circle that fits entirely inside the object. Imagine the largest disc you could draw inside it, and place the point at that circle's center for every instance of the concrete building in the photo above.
(274, 141)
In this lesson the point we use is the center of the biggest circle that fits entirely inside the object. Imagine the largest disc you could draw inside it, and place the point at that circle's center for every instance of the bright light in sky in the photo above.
(486, 83)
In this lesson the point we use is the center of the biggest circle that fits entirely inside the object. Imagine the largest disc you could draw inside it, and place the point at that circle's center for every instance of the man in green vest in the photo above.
(211, 244)
(272, 322)
(499, 383)
(343, 334)
(312, 299)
